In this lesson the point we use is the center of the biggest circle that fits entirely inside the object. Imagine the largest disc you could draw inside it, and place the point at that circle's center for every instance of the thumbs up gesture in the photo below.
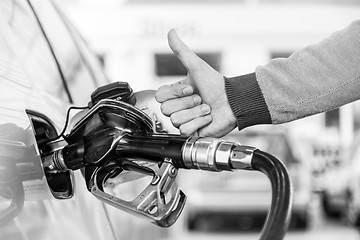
(198, 104)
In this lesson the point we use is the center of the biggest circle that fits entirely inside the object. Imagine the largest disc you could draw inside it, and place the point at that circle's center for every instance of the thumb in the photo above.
(187, 57)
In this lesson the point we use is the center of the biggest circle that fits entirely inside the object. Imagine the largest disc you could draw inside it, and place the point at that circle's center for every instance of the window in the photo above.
(332, 118)
(170, 65)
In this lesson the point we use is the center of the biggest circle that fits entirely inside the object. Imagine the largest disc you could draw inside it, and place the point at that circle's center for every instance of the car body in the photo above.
(240, 200)
(46, 67)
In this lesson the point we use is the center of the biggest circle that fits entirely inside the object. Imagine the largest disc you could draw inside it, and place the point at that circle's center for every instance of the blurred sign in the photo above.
(159, 28)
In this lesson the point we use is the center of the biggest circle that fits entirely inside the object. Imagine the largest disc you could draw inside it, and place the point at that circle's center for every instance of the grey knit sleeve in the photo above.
(315, 79)
(246, 101)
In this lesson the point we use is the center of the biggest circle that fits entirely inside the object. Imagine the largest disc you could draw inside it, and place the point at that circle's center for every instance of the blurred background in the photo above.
(235, 36)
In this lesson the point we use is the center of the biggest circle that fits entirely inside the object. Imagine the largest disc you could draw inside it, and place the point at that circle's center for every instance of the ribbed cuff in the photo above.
(247, 101)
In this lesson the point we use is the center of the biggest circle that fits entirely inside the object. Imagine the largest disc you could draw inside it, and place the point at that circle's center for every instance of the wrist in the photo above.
(246, 101)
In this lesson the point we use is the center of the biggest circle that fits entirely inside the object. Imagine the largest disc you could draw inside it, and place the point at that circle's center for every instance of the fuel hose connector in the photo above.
(212, 154)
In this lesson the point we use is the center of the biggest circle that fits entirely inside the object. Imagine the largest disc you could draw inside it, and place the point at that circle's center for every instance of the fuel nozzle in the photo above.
(115, 136)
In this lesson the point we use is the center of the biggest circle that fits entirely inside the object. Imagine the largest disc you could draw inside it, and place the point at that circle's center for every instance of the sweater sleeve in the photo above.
(315, 79)
(246, 100)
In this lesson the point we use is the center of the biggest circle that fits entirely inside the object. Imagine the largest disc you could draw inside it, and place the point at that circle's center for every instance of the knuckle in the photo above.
(196, 112)
(178, 91)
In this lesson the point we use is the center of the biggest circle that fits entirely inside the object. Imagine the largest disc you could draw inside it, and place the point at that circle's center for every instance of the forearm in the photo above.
(314, 79)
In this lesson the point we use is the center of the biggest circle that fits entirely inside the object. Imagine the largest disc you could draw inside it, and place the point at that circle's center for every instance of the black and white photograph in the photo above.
(179, 119)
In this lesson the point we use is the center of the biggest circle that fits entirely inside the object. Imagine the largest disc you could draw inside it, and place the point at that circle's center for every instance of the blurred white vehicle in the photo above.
(352, 210)
(341, 195)
(335, 186)
(240, 200)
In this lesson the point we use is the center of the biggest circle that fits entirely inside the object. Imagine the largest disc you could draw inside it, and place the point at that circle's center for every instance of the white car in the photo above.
(46, 67)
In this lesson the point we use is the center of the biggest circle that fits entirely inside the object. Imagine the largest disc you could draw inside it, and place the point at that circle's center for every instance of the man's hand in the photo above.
(198, 103)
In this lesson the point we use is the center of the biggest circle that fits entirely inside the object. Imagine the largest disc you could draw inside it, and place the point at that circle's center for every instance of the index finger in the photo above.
(177, 90)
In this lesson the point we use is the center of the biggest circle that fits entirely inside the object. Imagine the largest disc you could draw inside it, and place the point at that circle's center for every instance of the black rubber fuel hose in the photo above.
(279, 215)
